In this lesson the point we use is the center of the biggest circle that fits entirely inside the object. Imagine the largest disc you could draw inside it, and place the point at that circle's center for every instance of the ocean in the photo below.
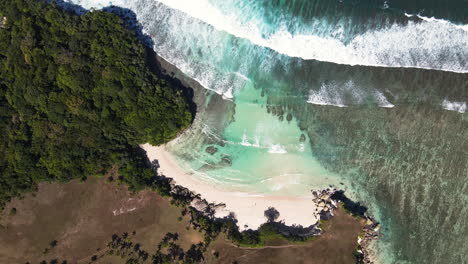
(367, 96)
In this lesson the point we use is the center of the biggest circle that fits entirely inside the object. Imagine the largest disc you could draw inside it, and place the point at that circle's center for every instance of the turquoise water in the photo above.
(370, 96)
(259, 152)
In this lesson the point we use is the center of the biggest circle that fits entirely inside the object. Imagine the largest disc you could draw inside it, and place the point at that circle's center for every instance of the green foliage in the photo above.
(77, 97)
(259, 238)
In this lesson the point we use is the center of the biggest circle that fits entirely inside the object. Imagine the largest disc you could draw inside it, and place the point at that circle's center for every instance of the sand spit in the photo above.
(248, 208)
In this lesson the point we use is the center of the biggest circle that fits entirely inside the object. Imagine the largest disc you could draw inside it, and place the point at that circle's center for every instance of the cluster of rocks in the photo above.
(371, 233)
(279, 111)
(325, 205)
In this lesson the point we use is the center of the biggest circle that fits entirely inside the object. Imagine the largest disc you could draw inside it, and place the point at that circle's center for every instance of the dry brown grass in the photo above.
(336, 245)
(82, 217)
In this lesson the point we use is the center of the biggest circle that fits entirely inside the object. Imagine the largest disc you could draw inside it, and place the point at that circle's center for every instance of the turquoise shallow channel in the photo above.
(258, 152)
(367, 96)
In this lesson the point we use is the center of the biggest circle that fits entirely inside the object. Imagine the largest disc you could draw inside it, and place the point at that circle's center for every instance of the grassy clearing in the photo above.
(82, 217)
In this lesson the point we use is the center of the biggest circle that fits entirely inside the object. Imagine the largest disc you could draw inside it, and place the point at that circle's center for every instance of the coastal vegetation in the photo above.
(77, 96)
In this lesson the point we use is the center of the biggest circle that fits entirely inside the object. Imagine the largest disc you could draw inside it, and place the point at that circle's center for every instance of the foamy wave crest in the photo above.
(326, 96)
(277, 149)
(454, 106)
(208, 131)
(245, 141)
(345, 94)
(382, 100)
(210, 78)
(426, 44)
(438, 20)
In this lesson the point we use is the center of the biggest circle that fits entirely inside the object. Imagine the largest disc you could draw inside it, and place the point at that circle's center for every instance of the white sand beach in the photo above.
(248, 207)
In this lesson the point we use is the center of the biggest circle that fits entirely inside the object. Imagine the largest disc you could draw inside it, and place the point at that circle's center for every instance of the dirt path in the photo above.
(264, 247)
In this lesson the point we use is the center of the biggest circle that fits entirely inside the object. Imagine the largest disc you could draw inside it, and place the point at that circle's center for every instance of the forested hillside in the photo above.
(76, 98)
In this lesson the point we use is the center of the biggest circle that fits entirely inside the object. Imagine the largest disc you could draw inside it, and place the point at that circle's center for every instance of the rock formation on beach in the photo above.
(327, 201)
(324, 203)
(371, 233)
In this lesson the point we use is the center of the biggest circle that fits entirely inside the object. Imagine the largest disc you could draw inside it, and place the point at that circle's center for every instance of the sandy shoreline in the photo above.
(248, 208)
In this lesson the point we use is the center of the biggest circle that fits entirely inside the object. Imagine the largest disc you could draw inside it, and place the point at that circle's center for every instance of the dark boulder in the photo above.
(211, 150)
(226, 161)
(302, 138)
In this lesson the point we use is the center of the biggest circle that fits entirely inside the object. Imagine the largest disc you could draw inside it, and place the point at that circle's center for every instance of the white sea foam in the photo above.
(228, 94)
(460, 107)
(438, 20)
(242, 76)
(414, 45)
(277, 149)
(245, 141)
(382, 100)
(209, 132)
(340, 95)
(301, 147)
(430, 43)
(325, 96)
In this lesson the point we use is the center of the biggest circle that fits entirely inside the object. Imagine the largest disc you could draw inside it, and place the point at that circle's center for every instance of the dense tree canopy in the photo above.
(77, 97)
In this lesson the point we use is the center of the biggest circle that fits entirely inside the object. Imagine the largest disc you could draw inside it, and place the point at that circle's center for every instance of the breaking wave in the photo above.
(460, 107)
(428, 43)
(343, 95)
(420, 43)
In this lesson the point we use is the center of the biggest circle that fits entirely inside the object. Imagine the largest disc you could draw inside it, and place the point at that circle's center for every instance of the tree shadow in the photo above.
(295, 231)
(356, 208)
(288, 230)
(271, 214)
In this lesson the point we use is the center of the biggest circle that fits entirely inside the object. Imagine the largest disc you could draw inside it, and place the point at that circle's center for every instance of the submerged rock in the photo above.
(289, 117)
(302, 138)
(211, 150)
(226, 161)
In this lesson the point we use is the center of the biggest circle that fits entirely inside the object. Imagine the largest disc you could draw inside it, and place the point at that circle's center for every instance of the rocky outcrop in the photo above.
(325, 205)
(326, 202)
(371, 233)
